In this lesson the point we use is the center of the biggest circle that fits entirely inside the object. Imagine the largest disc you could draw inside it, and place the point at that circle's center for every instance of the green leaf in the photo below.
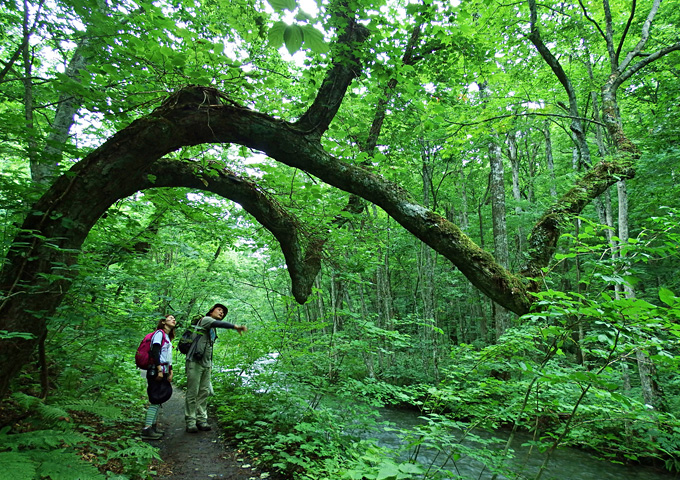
(667, 297)
(292, 37)
(178, 60)
(4, 335)
(110, 69)
(276, 34)
(280, 5)
(303, 16)
(387, 471)
(314, 39)
(411, 468)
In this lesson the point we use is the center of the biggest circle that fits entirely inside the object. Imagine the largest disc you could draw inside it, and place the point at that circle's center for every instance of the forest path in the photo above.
(202, 455)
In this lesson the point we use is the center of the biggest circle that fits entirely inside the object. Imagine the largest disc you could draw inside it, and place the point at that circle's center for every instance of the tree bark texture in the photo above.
(500, 230)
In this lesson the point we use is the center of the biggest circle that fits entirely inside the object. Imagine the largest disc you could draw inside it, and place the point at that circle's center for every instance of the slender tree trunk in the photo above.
(650, 392)
(46, 170)
(501, 315)
(603, 204)
(315, 310)
(475, 315)
(384, 297)
(202, 279)
(577, 128)
(32, 144)
(368, 352)
(427, 272)
(549, 159)
(513, 156)
(483, 319)
(336, 295)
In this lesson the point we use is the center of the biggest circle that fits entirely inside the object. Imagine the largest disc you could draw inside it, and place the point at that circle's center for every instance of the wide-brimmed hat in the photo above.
(223, 307)
(159, 391)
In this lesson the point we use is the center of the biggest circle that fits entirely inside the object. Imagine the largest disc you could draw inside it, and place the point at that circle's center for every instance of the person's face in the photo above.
(170, 321)
(218, 313)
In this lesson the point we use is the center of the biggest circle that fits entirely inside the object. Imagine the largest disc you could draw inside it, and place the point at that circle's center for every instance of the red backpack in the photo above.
(143, 358)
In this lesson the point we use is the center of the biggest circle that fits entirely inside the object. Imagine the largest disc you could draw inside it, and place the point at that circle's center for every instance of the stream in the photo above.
(565, 463)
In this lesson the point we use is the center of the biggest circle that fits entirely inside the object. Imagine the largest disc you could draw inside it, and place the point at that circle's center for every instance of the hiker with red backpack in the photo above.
(158, 372)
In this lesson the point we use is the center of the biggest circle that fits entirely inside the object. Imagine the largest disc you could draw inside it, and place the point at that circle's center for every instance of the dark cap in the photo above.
(223, 307)
(159, 391)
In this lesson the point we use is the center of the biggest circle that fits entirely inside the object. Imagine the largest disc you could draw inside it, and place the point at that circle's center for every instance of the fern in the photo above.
(57, 412)
(107, 412)
(54, 464)
(93, 383)
(50, 449)
(39, 409)
(139, 451)
(16, 465)
(65, 465)
(39, 439)
(25, 401)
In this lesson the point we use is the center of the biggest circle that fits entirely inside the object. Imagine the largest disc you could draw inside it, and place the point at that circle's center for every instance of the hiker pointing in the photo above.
(199, 367)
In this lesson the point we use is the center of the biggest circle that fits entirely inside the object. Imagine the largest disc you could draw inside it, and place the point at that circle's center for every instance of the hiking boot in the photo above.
(149, 434)
(192, 429)
(204, 427)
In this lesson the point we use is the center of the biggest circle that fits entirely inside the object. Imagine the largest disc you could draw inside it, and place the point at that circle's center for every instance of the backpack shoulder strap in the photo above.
(163, 335)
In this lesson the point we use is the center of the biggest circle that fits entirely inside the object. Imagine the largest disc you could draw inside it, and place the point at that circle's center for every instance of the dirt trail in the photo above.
(197, 456)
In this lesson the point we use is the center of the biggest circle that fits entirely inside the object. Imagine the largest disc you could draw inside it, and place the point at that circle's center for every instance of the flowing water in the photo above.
(564, 464)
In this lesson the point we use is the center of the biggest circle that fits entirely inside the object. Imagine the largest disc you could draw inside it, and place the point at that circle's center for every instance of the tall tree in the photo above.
(500, 231)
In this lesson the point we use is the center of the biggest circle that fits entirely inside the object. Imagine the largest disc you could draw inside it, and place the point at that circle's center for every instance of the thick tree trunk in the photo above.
(41, 268)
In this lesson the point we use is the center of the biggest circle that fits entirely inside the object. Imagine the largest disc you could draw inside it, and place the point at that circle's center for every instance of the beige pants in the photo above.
(199, 389)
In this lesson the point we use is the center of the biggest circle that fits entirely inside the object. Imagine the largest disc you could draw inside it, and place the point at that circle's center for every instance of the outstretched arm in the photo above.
(220, 324)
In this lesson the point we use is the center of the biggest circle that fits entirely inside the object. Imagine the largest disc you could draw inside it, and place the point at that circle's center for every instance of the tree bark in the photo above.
(426, 270)
(577, 128)
(32, 150)
(513, 156)
(500, 232)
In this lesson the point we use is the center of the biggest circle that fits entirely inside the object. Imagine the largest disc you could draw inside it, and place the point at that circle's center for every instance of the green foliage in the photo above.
(368, 331)
(4, 334)
(44, 453)
(71, 438)
(372, 463)
(54, 464)
(296, 439)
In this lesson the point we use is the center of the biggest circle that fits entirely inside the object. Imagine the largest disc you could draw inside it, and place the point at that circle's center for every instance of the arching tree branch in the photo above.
(301, 248)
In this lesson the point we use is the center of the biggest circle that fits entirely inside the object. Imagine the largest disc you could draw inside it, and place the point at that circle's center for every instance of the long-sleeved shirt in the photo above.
(202, 350)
